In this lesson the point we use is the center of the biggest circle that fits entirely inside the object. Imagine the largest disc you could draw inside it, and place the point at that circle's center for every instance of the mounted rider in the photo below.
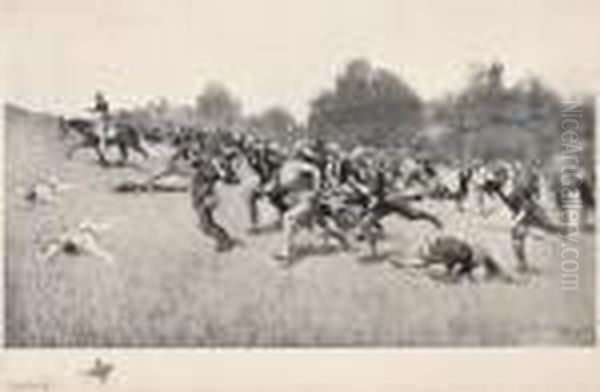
(101, 108)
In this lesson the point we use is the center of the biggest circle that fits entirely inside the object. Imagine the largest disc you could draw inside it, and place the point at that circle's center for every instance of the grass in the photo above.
(168, 288)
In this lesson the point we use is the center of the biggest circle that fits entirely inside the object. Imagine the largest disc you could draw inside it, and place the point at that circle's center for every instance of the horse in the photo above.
(124, 137)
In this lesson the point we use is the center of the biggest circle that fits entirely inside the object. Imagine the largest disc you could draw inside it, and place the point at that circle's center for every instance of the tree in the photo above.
(487, 114)
(276, 123)
(216, 107)
(367, 105)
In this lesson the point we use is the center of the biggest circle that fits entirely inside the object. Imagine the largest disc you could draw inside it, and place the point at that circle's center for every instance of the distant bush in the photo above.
(368, 105)
(489, 119)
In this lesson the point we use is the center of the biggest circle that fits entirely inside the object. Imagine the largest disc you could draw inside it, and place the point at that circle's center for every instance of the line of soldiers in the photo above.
(313, 184)
(319, 184)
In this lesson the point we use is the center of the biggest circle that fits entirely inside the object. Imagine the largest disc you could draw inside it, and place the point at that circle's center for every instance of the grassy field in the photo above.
(168, 287)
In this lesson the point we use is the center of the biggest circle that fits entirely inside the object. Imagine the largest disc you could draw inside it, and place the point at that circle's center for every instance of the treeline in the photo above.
(371, 105)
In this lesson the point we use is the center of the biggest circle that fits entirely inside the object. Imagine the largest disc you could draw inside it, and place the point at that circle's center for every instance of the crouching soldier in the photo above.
(461, 259)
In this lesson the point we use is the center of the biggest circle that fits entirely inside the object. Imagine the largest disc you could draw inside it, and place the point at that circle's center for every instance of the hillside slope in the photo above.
(168, 287)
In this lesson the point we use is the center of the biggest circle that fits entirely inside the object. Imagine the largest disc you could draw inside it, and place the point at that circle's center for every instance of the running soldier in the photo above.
(209, 170)
(527, 213)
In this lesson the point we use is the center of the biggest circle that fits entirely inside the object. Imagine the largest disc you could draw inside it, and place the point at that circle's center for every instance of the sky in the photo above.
(283, 52)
